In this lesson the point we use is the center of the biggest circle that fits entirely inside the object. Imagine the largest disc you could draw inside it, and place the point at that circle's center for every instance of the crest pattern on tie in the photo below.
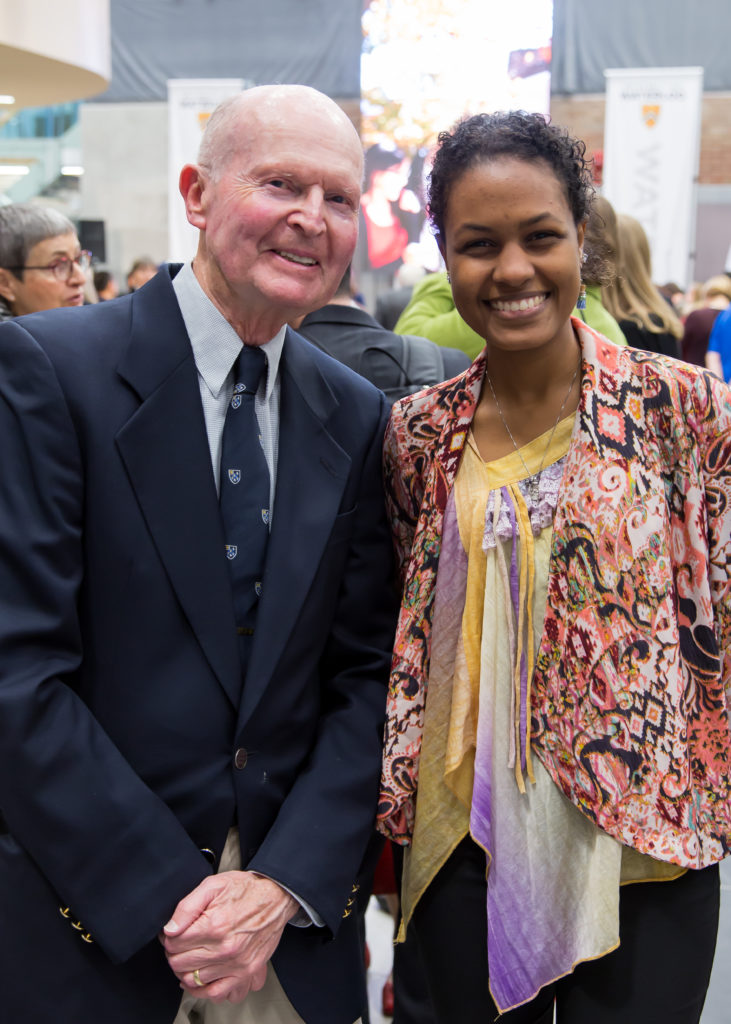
(244, 497)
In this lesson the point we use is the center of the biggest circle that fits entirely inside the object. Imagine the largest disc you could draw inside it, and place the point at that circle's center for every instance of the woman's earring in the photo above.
(581, 301)
(449, 279)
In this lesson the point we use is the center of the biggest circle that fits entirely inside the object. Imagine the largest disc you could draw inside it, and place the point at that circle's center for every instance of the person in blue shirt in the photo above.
(718, 356)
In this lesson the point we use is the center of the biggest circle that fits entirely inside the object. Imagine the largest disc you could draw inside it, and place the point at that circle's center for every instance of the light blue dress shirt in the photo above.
(216, 347)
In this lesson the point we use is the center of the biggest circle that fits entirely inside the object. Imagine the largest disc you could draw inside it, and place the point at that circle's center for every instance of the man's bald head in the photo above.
(263, 106)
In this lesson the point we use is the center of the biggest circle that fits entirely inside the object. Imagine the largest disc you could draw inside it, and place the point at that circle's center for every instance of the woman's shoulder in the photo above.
(424, 412)
(692, 392)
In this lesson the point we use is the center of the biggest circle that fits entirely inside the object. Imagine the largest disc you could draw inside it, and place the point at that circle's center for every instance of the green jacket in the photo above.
(431, 313)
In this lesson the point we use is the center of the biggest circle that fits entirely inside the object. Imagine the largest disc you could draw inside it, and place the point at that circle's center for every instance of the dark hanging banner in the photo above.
(589, 36)
(312, 42)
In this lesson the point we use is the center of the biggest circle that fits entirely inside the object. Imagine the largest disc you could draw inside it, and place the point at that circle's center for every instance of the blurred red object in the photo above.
(387, 999)
(384, 880)
(597, 166)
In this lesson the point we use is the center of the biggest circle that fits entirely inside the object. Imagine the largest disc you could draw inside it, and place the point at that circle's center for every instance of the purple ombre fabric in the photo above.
(531, 904)
(553, 879)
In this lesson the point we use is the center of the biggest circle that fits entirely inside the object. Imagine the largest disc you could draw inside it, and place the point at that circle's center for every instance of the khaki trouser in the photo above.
(267, 1006)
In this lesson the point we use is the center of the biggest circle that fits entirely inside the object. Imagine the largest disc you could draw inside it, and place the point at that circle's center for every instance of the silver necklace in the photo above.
(533, 479)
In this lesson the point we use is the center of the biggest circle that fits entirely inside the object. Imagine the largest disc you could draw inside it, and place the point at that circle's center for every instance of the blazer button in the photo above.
(241, 757)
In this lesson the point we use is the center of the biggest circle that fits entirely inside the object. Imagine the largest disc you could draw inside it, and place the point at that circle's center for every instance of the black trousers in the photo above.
(658, 975)
(411, 999)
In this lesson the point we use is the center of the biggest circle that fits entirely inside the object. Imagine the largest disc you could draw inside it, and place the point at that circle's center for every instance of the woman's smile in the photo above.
(519, 305)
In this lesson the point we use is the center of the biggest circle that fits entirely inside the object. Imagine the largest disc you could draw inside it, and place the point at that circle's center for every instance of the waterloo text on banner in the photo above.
(651, 153)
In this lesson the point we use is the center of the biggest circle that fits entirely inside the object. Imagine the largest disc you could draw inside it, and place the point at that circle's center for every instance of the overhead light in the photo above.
(16, 169)
(72, 170)
(8, 101)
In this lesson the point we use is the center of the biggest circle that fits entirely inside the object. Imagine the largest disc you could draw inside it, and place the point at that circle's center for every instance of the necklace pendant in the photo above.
(533, 489)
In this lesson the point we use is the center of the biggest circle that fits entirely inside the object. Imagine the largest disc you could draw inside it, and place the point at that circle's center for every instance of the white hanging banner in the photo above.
(651, 153)
(191, 101)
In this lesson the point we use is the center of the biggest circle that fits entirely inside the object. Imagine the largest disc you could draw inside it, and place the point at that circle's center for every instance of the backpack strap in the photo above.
(423, 361)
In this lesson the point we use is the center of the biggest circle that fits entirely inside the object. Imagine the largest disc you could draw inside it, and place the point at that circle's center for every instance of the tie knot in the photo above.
(249, 367)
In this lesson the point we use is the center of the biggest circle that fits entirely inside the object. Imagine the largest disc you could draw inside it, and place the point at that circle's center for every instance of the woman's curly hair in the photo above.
(514, 133)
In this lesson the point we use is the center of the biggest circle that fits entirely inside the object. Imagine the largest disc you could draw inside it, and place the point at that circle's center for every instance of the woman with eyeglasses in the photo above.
(557, 749)
(42, 265)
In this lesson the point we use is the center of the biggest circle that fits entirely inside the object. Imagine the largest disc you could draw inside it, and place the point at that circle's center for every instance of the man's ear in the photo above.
(192, 184)
(8, 282)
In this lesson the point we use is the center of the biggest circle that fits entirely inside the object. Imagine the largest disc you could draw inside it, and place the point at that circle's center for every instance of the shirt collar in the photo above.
(216, 345)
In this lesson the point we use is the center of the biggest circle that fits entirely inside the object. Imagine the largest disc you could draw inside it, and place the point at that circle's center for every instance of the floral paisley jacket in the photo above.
(630, 697)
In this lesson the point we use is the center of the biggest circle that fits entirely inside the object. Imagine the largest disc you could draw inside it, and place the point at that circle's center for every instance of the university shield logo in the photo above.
(231, 551)
(234, 476)
(265, 516)
(650, 114)
(236, 401)
(238, 388)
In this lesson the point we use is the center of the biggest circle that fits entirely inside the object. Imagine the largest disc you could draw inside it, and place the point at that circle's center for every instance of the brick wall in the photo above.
(583, 116)
(716, 139)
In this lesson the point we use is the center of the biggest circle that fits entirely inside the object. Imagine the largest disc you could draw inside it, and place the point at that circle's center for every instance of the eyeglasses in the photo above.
(62, 267)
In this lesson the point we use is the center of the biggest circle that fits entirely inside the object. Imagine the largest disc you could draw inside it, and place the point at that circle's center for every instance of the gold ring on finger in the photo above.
(197, 978)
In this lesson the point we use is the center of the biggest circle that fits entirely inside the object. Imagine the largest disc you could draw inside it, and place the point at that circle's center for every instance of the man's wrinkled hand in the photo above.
(222, 935)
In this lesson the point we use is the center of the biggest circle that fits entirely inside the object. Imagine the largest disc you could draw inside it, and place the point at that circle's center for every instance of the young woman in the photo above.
(645, 316)
(557, 722)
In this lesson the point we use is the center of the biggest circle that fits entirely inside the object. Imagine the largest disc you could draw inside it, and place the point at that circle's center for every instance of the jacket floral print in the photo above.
(630, 696)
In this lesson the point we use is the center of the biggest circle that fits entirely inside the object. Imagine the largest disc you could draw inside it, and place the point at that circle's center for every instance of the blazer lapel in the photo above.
(165, 450)
(311, 476)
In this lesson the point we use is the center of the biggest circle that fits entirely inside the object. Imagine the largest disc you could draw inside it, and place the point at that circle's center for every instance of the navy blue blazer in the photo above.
(129, 741)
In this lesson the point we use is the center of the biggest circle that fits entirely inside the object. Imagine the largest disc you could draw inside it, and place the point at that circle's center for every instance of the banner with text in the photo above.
(651, 152)
(191, 101)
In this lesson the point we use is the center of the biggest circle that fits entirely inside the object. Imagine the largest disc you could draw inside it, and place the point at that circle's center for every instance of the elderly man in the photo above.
(42, 265)
(195, 617)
